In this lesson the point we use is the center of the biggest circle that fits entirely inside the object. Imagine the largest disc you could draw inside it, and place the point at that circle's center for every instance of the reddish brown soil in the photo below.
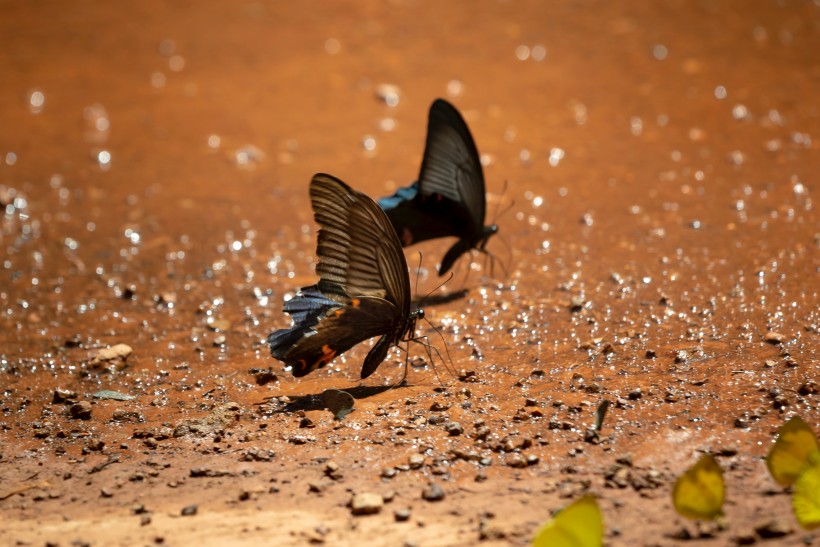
(644, 268)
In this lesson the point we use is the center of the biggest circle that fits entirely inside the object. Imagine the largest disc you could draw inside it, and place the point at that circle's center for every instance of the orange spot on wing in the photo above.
(328, 355)
(355, 302)
(406, 237)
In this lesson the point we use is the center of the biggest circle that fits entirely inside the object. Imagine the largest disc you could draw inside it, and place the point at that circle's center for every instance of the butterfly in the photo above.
(699, 493)
(796, 447)
(580, 524)
(806, 496)
(363, 289)
(448, 199)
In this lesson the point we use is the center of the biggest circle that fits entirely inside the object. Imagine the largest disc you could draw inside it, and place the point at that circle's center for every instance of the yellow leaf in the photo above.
(699, 493)
(796, 445)
(580, 524)
(806, 496)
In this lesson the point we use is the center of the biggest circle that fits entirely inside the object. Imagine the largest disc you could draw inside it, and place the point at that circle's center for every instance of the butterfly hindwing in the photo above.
(449, 198)
(339, 330)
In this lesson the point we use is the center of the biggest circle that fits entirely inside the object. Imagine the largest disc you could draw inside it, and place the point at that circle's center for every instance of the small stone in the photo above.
(453, 429)
(433, 492)
(118, 351)
(388, 472)
(220, 340)
(219, 325)
(106, 492)
(81, 410)
(145, 520)
(264, 376)
(774, 338)
(490, 531)
(402, 515)
(774, 529)
(416, 461)
(333, 471)
(516, 460)
(189, 511)
(366, 503)
(64, 396)
(744, 537)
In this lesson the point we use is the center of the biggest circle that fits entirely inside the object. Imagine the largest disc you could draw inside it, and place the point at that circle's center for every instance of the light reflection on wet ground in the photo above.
(655, 166)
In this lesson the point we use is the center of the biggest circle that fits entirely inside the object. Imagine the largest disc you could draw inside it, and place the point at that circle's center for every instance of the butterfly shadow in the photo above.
(318, 401)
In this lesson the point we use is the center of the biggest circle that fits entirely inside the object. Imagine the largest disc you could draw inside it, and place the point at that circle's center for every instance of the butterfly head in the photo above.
(486, 234)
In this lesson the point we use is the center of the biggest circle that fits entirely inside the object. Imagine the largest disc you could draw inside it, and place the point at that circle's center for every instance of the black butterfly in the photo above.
(449, 197)
(363, 289)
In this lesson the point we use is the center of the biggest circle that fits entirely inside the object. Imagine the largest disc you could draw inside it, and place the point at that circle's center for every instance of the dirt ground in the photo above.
(652, 167)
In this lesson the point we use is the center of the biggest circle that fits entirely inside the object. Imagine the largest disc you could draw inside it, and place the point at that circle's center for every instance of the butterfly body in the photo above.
(363, 291)
(448, 199)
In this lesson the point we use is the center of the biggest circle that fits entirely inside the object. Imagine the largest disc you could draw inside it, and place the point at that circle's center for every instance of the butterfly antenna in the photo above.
(498, 214)
(440, 285)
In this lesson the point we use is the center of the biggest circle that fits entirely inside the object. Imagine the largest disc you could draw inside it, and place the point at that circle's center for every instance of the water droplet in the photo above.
(455, 88)
(720, 92)
(539, 53)
(176, 63)
(157, 80)
(11, 158)
(214, 141)
(369, 143)
(36, 101)
(522, 52)
(660, 52)
(104, 159)
(333, 46)
(556, 155)
(636, 126)
(389, 93)
(740, 112)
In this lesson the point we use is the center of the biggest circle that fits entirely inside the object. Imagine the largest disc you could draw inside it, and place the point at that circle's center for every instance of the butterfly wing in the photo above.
(806, 496)
(417, 218)
(699, 493)
(451, 168)
(580, 524)
(329, 331)
(359, 251)
(796, 444)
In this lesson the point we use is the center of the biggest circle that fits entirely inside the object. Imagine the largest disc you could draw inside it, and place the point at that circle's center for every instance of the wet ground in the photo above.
(652, 167)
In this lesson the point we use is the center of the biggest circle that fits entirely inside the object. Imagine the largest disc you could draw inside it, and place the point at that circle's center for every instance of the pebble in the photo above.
(774, 338)
(189, 511)
(218, 324)
(64, 395)
(402, 515)
(774, 529)
(117, 351)
(433, 492)
(366, 503)
(416, 461)
(81, 410)
(453, 429)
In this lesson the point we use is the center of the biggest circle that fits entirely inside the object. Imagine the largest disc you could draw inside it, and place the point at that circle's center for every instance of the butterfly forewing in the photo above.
(358, 248)
(451, 166)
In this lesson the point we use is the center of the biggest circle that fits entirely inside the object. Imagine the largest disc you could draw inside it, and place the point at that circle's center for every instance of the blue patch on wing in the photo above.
(408, 193)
